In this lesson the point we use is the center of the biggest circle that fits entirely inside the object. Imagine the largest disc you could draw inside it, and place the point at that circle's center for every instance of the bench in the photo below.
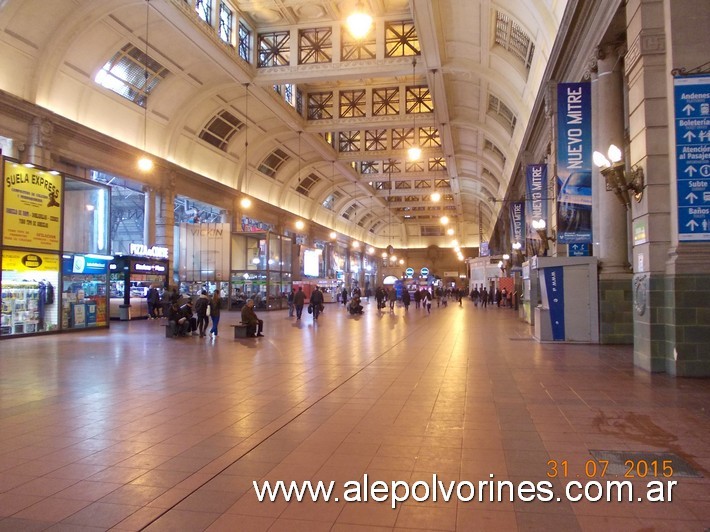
(168, 331)
(242, 330)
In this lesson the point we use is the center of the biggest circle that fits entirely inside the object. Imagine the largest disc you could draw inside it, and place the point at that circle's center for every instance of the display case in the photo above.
(20, 308)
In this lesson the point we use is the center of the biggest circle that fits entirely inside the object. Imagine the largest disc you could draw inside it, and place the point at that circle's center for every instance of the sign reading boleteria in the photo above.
(692, 134)
(31, 216)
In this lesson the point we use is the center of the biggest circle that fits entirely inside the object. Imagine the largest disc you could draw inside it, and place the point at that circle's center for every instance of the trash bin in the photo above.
(124, 312)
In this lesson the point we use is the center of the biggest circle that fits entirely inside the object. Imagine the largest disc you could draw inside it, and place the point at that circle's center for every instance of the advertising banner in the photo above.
(692, 147)
(517, 221)
(536, 196)
(21, 261)
(31, 212)
(574, 163)
(554, 289)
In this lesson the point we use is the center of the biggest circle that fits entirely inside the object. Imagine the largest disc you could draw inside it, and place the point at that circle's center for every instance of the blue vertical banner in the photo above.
(692, 148)
(517, 221)
(535, 196)
(554, 287)
(574, 163)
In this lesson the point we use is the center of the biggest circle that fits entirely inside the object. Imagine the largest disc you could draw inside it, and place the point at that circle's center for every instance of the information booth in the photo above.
(130, 278)
(568, 309)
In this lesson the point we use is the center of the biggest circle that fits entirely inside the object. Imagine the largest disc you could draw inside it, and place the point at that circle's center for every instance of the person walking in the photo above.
(484, 297)
(344, 297)
(299, 299)
(406, 298)
(252, 321)
(215, 306)
(316, 302)
(392, 297)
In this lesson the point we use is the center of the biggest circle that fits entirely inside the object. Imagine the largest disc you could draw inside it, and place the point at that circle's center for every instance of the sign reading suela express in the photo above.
(31, 210)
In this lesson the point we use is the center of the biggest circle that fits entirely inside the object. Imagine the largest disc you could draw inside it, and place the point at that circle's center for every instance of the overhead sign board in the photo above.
(692, 133)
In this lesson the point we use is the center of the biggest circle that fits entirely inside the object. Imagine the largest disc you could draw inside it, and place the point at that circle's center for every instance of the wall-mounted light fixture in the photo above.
(541, 227)
(504, 264)
(618, 180)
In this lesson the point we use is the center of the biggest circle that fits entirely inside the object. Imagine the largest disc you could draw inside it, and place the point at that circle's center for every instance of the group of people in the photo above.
(297, 301)
(501, 297)
(193, 318)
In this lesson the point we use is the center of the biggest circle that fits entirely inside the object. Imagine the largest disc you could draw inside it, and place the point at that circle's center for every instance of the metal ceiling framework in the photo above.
(478, 68)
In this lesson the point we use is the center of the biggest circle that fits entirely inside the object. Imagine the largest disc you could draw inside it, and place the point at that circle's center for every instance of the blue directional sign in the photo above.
(578, 250)
(692, 127)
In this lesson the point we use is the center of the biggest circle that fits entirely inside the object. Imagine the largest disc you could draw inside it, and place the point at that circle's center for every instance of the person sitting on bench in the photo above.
(250, 319)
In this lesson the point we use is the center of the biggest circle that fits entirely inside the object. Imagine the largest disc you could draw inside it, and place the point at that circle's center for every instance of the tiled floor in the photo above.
(127, 430)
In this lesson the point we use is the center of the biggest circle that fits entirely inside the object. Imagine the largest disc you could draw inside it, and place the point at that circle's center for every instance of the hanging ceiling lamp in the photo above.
(333, 234)
(246, 202)
(414, 152)
(359, 22)
(145, 163)
(300, 224)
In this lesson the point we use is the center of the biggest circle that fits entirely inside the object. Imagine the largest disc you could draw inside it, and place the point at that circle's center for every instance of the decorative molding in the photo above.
(647, 42)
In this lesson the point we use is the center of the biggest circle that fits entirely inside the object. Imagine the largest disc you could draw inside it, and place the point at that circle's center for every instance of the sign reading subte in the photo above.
(692, 130)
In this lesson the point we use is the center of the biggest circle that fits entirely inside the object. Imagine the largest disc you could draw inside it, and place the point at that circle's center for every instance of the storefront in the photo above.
(49, 218)
(130, 278)
(84, 291)
(261, 270)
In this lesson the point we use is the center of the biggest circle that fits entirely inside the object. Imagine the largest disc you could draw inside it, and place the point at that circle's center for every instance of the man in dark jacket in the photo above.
(249, 317)
(201, 310)
(317, 302)
(299, 299)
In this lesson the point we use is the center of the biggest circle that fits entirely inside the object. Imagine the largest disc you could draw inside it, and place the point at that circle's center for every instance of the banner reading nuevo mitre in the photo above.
(574, 163)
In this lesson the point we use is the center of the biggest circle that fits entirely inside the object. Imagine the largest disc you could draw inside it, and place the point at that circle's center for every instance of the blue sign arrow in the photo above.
(692, 125)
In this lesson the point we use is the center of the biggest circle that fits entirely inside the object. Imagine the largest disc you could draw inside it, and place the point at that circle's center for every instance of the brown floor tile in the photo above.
(176, 438)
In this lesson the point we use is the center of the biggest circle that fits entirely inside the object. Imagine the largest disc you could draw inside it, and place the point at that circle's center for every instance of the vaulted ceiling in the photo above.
(303, 116)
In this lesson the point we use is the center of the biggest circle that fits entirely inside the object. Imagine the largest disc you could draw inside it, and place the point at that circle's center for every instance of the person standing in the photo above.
(201, 310)
(291, 304)
(484, 297)
(317, 302)
(251, 320)
(344, 297)
(215, 306)
(299, 299)
(152, 297)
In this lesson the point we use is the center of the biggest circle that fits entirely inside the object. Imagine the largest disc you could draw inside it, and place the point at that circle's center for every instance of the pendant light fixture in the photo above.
(359, 22)
(145, 163)
(300, 224)
(414, 152)
(390, 249)
(333, 234)
(245, 202)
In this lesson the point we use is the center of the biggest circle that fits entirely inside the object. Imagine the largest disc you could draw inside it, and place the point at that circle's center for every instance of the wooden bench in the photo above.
(242, 330)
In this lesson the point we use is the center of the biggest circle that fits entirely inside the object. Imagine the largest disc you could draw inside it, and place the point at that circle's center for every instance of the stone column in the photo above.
(148, 217)
(165, 219)
(611, 242)
(38, 150)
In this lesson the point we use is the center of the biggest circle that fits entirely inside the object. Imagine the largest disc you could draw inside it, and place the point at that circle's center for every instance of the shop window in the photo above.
(86, 206)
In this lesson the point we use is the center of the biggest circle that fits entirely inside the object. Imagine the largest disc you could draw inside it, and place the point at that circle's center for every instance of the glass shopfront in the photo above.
(84, 291)
(130, 279)
(261, 270)
(48, 217)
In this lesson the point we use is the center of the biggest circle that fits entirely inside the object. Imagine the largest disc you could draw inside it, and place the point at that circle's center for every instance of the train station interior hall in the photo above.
(555, 149)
